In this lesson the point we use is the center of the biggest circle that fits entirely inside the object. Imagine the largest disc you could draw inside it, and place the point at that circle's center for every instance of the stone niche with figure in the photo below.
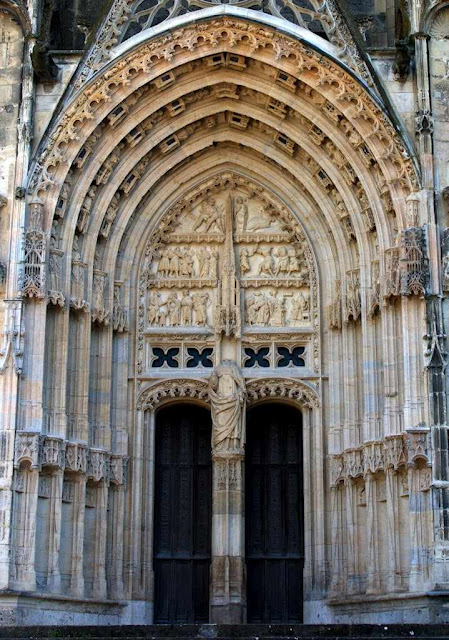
(227, 260)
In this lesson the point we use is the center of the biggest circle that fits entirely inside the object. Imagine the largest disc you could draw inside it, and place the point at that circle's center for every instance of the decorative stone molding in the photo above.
(76, 457)
(27, 449)
(55, 296)
(53, 452)
(11, 349)
(181, 388)
(353, 302)
(424, 122)
(282, 388)
(445, 258)
(334, 309)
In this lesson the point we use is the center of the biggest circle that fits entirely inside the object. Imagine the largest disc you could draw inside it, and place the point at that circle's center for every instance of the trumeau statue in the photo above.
(227, 394)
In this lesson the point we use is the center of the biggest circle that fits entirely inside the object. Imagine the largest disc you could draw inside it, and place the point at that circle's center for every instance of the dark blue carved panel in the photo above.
(165, 358)
(257, 358)
(200, 358)
(292, 356)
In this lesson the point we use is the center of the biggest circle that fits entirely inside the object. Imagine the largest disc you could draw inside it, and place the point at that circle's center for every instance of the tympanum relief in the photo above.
(226, 261)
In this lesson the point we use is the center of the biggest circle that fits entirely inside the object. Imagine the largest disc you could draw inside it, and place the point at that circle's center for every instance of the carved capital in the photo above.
(417, 445)
(76, 457)
(27, 449)
(373, 456)
(53, 452)
(394, 451)
(98, 464)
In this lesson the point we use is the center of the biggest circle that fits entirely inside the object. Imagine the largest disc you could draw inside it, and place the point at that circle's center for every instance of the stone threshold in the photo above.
(39, 595)
(385, 597)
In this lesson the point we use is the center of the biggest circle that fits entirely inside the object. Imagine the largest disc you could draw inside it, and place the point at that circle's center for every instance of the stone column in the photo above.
(54, 528)
(228, 589)
(372, 537)
(24, 551)
(394, 458)
(79, 507)
(99, 589)
(116, 524)
(336, 502)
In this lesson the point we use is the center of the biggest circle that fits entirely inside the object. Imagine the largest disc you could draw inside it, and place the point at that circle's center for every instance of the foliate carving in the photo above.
(227, 395)
(27, 449)
(418, 445)
(35, 246)
(76, 457)
(120, 319)
(53, 452)
(99, 312)
(373, 456)
(394, 451)
(173, 389)
(261, 389)
(412, 262)
(98, 465)
(353, 300)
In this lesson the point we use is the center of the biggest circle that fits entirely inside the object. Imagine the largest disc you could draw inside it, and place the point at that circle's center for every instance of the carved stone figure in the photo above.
(266, 267)
(186, 309)
(154, 305)
(227, 394)
(200, 304)
(164, 264)
(278, 313)
(300, 307)
(211, 215)
(240, 214)
(174, 309)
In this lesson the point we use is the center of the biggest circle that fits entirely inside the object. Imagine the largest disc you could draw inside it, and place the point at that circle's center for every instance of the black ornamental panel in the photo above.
(182, 519)
(274, 514)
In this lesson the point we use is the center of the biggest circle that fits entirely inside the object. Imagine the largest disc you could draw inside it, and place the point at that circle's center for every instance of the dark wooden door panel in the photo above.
(182, 520)
(274, 514)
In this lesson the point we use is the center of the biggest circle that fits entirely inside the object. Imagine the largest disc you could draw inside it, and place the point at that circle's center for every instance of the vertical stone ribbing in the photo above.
(78, 511)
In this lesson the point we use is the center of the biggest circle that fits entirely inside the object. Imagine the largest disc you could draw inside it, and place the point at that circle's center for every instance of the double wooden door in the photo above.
(274, 514)
(182, 531)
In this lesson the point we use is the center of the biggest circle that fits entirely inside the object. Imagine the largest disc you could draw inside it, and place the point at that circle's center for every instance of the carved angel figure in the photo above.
(227, 394)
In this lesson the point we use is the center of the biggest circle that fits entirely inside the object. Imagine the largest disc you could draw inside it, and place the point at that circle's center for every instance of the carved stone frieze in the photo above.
(178, 388)
(266, 389)
(394, 451)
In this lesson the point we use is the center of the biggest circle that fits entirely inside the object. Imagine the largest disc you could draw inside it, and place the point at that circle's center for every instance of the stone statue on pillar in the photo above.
(227, 394)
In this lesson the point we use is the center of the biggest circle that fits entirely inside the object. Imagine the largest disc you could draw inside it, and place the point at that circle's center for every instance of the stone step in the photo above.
(232, 632)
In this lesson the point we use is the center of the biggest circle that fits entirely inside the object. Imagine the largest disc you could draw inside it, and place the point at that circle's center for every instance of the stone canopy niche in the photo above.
(227, 260)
